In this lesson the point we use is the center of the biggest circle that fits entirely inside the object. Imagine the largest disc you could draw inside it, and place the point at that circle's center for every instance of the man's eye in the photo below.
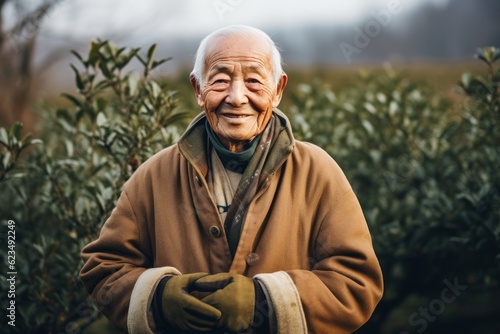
(220, 81)
(253, 81)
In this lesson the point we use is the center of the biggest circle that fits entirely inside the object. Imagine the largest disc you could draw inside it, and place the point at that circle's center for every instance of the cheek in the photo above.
(212, 100)
(263, 118)
(263, 102)
(212, 119)
(263, 99)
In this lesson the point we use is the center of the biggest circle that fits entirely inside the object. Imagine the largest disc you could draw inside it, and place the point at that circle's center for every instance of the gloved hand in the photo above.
(184, 311)
(233, 295)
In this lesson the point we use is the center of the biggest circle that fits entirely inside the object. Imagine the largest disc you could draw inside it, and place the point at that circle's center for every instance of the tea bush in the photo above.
(62, 191)
(425, 171)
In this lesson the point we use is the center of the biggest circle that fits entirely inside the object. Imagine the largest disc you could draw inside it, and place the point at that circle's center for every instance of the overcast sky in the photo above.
(308, 32)
(91, 18)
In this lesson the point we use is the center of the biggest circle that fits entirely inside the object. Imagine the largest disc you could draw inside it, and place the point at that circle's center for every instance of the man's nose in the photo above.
(237, 96)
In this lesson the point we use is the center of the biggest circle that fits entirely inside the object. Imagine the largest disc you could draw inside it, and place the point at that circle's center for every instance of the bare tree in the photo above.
(17, 50)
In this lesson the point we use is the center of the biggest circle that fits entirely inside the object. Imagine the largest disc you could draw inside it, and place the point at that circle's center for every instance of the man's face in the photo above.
(238, 92)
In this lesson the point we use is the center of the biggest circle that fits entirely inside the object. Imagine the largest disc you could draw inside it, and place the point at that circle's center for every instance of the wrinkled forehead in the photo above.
(238, 48)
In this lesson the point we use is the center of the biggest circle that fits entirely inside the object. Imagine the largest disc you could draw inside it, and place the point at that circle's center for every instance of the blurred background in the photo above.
(404, 94)
(312, 35)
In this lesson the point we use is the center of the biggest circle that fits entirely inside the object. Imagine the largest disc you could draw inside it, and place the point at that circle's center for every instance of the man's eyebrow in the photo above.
(220, 68)
(223, 68)
(256, 68)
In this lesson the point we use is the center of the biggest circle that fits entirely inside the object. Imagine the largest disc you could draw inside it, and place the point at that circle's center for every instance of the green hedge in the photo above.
(426, 172)
(63, 190)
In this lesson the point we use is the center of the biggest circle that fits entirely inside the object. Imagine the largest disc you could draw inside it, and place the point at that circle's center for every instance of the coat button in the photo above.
(215, 231)
(252, 259)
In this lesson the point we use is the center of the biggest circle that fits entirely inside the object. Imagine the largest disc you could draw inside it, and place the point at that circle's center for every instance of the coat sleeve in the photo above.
(344, 284)
(118, 273)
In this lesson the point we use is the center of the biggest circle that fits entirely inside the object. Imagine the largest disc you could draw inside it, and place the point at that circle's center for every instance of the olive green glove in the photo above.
(184, 311)
(233, 295)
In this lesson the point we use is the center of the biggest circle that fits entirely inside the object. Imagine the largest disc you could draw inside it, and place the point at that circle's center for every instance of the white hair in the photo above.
(238, 31)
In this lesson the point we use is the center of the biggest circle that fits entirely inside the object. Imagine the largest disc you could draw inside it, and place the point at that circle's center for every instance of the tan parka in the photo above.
(304, 238)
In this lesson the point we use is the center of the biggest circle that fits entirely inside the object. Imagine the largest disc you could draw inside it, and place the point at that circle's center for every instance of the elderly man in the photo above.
(238, 227)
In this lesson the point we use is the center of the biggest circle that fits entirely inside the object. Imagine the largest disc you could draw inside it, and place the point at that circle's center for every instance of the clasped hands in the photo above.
(229, 304)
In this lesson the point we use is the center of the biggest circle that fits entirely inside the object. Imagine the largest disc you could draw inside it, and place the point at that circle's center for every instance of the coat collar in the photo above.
(193, 142)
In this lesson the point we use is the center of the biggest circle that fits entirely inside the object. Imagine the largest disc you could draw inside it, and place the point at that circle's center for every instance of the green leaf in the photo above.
(173, 118)
(143, 62)
(151, 52)
(120, 50)
(77, 55)
(368, 126)
(39, 249)
(70, 148)
(73, 99)
(125, 60)
(488, 54)
(90, 78)
(4, 137)
(100, 201)
(101, 119)
(26, 141)
(103, 85)
(466, 80)
(155, 63)
(482, 57)
(7, 160)
(36, 141)
(131, 85)
(103, 66)
(79, 82)
(94, 57)
(111, 138)
(16, 129)
(370, 108)
(496, 54)
(67, 126)
(483, 83)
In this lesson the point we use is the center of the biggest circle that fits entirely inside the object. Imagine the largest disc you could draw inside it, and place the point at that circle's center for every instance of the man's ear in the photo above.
(197, 91)
(279, 90)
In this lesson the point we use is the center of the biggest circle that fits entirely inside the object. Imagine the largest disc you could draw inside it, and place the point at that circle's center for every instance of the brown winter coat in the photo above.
(304, 238)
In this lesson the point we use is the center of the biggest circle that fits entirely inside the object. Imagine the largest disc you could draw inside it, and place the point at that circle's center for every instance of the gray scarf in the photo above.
(252, 179)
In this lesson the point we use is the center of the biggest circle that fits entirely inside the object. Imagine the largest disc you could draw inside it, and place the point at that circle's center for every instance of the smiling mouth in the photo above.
(235, 116)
